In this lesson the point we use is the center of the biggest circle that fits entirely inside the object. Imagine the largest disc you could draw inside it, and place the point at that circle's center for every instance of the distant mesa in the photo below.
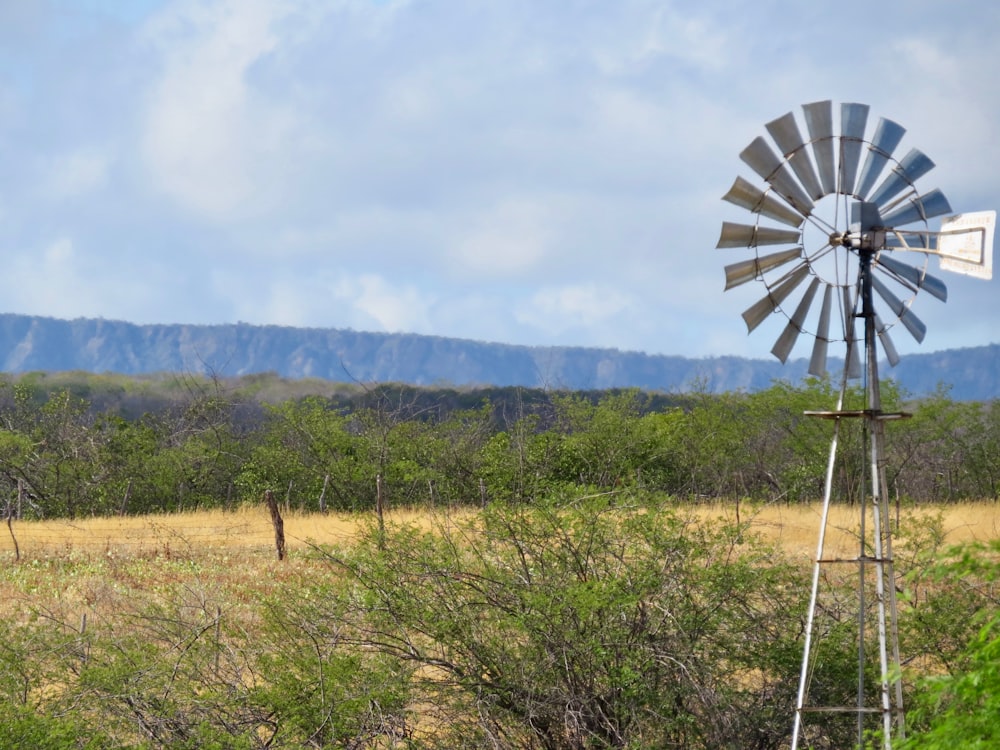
(31, 343)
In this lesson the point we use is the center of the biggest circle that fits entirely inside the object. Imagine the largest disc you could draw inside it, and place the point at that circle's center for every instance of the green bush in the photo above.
(583, 622)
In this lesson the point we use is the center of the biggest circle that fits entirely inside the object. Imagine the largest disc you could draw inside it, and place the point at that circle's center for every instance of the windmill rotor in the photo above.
(831, 195)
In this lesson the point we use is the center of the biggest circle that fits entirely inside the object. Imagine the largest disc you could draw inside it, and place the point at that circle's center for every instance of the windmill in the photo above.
(839, 249)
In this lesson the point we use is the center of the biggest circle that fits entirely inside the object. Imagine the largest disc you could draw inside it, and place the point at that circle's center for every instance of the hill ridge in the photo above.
(38, 343)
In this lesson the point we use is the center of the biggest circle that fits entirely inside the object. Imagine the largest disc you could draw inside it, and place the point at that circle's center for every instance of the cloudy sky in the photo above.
(529, 172)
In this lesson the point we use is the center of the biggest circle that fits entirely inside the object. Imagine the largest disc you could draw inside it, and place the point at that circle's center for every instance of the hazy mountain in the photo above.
(29, 343)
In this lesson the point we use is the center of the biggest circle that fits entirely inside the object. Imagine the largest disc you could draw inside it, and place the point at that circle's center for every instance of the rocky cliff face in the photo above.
(29, 343)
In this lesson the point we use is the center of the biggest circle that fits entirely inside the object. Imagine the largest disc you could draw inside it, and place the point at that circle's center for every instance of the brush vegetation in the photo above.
(75, 446)
(618, 620)
(552, 571)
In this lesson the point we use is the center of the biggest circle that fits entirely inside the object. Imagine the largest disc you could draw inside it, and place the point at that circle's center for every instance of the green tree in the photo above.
(34, 657)
(578, 623)
(316, 687)
(981, 457)
(963, 710)
(203, 446)
(309, 446)
(605, 444)
(517, 463)
(961, 706)
(929, 454)
(61, 470)
(128, 461)
(712, 454)
(452, 451)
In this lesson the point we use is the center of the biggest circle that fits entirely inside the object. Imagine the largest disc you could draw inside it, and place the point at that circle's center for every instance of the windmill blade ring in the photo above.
(812, 165)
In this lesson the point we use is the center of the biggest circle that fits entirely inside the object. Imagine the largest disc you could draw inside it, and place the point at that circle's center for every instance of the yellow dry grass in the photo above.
(102, 566)
(793, 528)
(245, 529)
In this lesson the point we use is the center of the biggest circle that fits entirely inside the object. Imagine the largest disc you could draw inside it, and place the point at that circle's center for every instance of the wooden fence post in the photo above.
(128, 495)
(322, 495)
(379, 510)
(10, 527)
(84, 646)
(277, 522)
(218, 637)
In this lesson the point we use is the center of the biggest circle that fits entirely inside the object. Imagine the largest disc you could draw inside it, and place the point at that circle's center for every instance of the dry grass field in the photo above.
(181, 534)
(103, 575)
(97, 564)
(248, 531)
(794, 528)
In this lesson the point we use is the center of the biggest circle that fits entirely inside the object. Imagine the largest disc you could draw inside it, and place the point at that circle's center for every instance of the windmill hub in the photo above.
(869, 241)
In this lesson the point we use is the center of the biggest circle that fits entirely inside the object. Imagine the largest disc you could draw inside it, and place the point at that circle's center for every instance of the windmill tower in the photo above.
(843, 233)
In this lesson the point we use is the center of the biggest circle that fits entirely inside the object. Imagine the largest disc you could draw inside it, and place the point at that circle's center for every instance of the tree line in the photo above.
(73, 450)
(580, 609)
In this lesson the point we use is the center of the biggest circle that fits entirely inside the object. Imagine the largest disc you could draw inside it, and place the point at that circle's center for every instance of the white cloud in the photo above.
(364, 301)
(212, 143)
(50, 281)
(278, 301)
(508, 239)
(556, 309)
(648, 33)
(392, 307)
(65, 277)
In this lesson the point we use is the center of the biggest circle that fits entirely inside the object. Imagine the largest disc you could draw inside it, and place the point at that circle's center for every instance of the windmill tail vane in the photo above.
(839, 233)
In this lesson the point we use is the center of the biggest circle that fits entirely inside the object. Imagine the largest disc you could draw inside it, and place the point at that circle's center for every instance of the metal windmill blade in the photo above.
(914, 276)
(754, 268)
(890, 349)
(918, 208)
(852, 357)
(912, 167)
(887, 136)
(785, 132)
(853, 118)
(756, 313)
(817, 362)
(762, 160)
(819, 120)
(751, 235)
(910, 321)
(752, 198)
(783, 346)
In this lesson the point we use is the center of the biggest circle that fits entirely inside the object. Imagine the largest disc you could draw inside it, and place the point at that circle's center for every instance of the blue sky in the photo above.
(542, 173)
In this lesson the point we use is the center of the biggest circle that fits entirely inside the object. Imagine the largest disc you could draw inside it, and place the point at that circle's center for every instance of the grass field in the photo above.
(249, 531)
(101, 567)
(180, 573)
(794, 528)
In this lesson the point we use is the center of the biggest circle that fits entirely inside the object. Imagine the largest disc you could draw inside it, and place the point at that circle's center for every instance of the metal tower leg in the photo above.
(805, 674)
(874, 554)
